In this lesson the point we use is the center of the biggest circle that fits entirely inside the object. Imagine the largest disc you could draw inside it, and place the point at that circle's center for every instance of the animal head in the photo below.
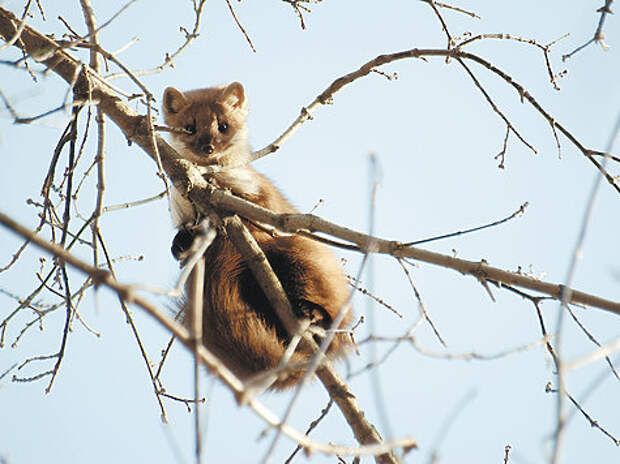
(212, 121)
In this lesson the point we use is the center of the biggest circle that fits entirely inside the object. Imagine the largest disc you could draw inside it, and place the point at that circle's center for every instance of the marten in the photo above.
(239, 324)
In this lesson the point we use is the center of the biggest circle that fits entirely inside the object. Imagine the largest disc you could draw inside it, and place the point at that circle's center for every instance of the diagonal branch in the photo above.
(338, 390)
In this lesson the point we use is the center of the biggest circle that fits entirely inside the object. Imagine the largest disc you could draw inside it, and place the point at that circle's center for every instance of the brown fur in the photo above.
(240, 325)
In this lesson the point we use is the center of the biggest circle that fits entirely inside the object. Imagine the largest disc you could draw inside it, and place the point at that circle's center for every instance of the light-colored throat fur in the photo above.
(237, 176)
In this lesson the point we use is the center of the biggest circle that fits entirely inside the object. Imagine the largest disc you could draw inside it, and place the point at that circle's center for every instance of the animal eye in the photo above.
(191, 129)
(223, 127)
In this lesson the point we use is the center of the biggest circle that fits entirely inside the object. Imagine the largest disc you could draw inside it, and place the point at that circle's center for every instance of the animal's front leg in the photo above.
(185, 241)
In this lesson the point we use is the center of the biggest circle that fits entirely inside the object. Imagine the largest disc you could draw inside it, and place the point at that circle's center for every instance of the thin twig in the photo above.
(364, 291)
(91, 23)
(170, 57)
(423, 310)
(134, 330)
(546, 49)
(599, 35)
(593, 340)
(132, 204)
(22, 25)
(517, 213)
(603, 351)
(240, 26)
(448, 422)
(67, 209)
(310, 428)
(454, 8)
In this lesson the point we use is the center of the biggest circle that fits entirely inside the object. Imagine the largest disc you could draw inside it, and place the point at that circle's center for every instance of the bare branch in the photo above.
(602, 352)
(91, 23)
(507, 450)
(453, 8)
(517, 213)
(240, 26)
(593, 340)
(169, 58)
(599, 35)
(448, 421)
(420, 302)
(546, 49)
(134, 330)
(196, 290)
(22, 25)
(298, 6)
(310, 428)
(291, 223)
(353, 282)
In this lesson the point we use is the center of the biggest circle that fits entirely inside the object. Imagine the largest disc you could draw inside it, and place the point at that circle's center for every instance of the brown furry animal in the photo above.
(239, 324)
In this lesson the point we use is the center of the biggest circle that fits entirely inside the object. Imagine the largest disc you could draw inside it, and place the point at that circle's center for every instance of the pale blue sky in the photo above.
(435, 138)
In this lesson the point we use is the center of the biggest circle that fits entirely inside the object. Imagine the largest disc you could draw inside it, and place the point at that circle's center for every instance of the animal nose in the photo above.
(208, 149)
(205, 145)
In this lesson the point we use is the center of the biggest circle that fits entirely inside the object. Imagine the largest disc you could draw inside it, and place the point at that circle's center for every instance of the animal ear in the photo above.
(234, 96)
(174, 100)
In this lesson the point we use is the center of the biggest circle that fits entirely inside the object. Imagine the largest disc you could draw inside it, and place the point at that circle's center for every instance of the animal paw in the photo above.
(182, 243)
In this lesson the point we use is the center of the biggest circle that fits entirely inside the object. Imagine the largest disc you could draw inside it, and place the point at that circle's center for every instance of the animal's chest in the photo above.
(241, 181)
(181, 209)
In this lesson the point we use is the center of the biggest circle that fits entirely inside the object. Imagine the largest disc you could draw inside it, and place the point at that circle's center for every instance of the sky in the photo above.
(434, 137)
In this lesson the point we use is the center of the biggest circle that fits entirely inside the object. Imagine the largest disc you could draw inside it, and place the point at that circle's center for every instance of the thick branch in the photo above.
(339, 391)
(292, 223)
